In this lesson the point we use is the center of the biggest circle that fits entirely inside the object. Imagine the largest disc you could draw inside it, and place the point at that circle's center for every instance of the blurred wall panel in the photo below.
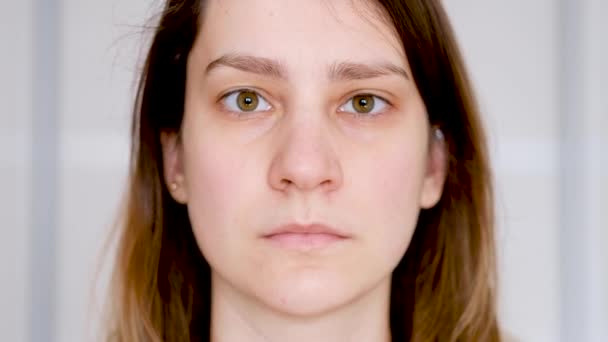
(585, 285)
(15, 168)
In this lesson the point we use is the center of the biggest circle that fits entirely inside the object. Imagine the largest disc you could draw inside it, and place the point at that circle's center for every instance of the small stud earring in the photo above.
(173, 186)
(438, 134)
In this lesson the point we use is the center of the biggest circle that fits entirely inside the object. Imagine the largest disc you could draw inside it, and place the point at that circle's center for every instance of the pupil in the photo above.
(363, 103)
(247, 101)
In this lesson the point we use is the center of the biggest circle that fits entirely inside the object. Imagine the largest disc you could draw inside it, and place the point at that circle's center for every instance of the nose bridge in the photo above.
(305, 157)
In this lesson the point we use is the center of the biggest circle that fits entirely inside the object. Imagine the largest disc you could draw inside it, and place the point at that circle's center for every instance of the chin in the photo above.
(308, 295)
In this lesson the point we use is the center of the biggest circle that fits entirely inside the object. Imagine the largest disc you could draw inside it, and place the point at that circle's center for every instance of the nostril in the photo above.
(326, 183)
(286, 182)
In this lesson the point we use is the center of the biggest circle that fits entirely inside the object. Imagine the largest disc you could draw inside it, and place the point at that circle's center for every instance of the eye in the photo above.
(364, 104)
(245, 101)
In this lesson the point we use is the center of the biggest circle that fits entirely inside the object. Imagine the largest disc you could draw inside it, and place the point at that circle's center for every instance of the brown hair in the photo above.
(444, 287)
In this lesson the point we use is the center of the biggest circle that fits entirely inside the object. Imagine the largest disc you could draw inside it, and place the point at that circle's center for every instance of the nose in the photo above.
(305, 159)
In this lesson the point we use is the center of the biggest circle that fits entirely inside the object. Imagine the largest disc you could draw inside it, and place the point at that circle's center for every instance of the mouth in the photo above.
(305, 237)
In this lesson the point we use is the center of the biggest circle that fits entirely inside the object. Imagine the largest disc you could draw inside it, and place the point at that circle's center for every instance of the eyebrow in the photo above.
(342, 71)
(251, 64)
(348, 71)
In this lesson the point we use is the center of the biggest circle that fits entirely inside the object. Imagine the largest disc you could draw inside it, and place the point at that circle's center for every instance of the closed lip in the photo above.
(314, 228)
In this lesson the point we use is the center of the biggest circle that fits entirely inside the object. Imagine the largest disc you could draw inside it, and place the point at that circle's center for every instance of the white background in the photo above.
(536, 65)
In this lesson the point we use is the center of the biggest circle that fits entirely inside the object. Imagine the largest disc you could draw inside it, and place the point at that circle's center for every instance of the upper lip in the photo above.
(313, 228)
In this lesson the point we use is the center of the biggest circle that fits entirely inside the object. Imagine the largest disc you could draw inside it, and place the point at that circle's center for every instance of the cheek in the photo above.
(401, 183)
(393, 188)
(217, 189)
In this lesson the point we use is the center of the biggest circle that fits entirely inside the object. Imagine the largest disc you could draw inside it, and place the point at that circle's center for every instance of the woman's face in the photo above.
(302, 112)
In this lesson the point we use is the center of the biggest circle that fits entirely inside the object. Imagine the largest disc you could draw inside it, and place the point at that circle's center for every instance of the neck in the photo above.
(235, 317)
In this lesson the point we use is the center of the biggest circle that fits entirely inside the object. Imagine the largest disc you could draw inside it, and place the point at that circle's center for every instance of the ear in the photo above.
(436, 170)
(173, 166)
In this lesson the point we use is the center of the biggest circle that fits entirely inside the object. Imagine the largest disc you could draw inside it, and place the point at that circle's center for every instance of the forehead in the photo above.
(296, 31)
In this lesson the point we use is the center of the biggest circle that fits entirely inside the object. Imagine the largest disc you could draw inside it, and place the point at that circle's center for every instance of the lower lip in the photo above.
(305, 240)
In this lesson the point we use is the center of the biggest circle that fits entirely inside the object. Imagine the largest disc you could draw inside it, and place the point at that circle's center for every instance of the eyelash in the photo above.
(350, 98)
